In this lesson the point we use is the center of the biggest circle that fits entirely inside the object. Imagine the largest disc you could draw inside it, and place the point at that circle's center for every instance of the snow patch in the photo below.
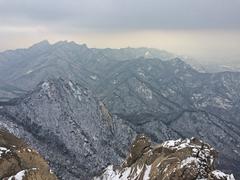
(219, 174)
(4, 150)
(19, 176)
(46, 86)
(126, 173)
(222, 103)
(141, 74)
(171, 143)
(93, 77)
(188, 161)
(146, 92)
(30, 71)
(147, 172)
(147, 54)
(76, 91)
(29, 150)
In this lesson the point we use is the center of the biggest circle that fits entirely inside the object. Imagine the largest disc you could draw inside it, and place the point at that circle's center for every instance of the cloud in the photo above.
(122, 15)
(206, 29)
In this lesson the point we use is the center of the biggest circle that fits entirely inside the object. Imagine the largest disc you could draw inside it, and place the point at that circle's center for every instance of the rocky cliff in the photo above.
(182, 159)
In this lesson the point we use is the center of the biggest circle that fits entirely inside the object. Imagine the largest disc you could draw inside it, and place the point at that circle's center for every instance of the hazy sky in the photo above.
(204, 29)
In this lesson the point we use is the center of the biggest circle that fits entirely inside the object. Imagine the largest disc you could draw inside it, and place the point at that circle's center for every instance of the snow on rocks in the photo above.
(20, 162)
(3, 151)
(220, 175)
(29, 71)
(181, 159)
(76, 91)
(93, 77)
(145, 91)
(46, 88)
(19, 176)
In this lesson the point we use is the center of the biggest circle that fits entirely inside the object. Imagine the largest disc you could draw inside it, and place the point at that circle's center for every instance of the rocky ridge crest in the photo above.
(182, 159)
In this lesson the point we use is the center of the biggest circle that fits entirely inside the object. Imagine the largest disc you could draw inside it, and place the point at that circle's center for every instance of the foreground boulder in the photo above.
(187, 159)
(18, 161)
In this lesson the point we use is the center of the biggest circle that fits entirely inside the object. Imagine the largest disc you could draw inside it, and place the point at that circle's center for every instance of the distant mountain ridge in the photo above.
(62, 59)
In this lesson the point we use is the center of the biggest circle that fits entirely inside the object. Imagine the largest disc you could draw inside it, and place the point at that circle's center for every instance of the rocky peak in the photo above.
(43, 43)
(40, 47)
(69, 45)
(182, 159)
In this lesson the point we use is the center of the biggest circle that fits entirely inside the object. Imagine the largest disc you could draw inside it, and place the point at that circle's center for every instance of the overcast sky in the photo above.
(204, 29)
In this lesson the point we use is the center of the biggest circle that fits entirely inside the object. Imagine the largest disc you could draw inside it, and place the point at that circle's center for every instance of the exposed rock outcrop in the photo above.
(188, 159)
(18, 161)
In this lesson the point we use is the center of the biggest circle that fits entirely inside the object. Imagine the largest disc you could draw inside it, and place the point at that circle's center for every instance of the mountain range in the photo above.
(81, 107)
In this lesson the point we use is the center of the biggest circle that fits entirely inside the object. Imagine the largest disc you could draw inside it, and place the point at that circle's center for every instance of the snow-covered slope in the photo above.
(69, 127)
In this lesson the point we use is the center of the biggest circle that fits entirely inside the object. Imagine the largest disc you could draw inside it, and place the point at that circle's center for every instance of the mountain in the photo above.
(175, 159)
(145, 90)
(169, 100)
(69, 127)
(25, 68)
(18, 161)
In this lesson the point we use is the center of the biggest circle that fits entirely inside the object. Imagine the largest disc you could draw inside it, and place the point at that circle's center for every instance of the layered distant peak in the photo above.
(41, 45)
(18, 161)
(179, 64)
(46, 46)
(175, 159)
(69, 44)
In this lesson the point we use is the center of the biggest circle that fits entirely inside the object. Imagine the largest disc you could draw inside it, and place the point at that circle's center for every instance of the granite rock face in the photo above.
(182, 159)
(19, 161)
